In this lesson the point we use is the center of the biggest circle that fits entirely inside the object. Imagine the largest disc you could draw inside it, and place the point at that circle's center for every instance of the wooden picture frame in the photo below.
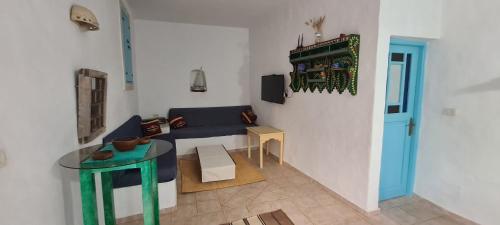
(91, 102)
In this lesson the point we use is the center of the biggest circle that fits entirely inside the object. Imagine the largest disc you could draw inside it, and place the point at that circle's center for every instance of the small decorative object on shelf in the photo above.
(317, 25)
(84, 17)
(198, 80)
(300, 41)
(329, 65)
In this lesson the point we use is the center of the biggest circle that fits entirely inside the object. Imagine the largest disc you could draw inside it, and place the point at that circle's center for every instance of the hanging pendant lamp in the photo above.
(198, 80)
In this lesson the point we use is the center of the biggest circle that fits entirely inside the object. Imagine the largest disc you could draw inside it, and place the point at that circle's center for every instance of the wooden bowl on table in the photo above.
(144, 140)
(125, 144)
(102, 155)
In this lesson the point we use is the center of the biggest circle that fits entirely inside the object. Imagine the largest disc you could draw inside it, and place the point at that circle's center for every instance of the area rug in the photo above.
(246, 173)
(277, 217)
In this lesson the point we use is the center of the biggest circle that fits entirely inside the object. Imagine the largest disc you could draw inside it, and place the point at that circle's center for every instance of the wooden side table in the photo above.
(265, 133)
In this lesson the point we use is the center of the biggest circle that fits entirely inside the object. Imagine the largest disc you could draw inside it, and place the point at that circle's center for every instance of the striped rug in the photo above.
(277, 217)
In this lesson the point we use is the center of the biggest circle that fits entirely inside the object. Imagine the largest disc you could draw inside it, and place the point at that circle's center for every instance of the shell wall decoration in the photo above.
(329, 65)
(84, 17)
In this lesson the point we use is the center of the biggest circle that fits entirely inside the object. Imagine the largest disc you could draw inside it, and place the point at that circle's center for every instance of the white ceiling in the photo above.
(234, 13)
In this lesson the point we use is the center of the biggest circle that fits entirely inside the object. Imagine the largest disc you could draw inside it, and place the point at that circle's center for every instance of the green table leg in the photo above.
(147, 193)
(108, 199)
(154, 178)
(89, 205)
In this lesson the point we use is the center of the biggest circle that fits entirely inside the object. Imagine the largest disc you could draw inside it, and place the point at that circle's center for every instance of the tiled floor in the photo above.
(303, 200)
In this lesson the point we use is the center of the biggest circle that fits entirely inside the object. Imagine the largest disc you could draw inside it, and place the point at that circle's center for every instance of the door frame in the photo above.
(417, 113)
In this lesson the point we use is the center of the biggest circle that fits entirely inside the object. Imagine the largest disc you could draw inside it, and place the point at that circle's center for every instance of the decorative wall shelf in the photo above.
(329, 65)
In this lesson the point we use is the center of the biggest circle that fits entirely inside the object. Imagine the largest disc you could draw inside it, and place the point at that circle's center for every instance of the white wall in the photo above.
(327, 135)
(458, 164)
(410, 19)
(40, 51)
(167, 52)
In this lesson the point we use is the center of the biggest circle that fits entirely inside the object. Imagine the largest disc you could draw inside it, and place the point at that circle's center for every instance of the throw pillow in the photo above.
(177, 122)
(248, 117)
(151, 128)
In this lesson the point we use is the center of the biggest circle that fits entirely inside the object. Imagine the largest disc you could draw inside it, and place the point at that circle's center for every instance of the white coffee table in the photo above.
(216, 164)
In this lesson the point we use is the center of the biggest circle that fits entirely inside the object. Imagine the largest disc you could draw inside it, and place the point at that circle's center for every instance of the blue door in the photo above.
(397, 168)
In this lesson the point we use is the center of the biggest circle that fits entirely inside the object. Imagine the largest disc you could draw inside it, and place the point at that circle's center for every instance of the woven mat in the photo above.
(277, 217)
(246, 173)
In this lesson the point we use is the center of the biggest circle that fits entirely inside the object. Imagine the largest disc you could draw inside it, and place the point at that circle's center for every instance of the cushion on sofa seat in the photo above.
(209, 131)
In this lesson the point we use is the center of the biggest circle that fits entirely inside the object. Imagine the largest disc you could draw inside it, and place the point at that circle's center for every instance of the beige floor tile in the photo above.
(236, 202)
(446, 220)
(305, 202)
(354, 221)
(399, 216)
(292, 191)
(215, 218)
(225, 194)
(326, 199)
(233, 214)
(298, 218)
(249, 192)
(136, 222)
(288, 172)
(286, 205)
(398, 202)
(267, 196)
(166, 219)
(380, 219)
(183, 199)
(299, 180)
(322, 215)
(422, 210)
(210, 206)
(206, 195)
(184, 211)
(184, 221)
(279, 181)
(260, 207)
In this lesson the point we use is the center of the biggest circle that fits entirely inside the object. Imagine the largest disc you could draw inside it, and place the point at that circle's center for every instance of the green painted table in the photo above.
(149, 177)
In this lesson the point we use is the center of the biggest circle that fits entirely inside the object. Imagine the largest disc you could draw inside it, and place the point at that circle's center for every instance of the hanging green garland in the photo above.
(327, 65)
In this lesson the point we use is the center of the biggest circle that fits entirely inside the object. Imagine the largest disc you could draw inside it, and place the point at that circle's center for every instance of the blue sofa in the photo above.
(167, 163)
(210, 121)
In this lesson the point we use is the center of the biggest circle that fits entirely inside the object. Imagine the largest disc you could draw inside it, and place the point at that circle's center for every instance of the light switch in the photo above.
(3, 158)
(449, 111)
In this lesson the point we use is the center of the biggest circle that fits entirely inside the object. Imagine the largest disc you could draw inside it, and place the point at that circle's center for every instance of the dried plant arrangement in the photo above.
(317, 25)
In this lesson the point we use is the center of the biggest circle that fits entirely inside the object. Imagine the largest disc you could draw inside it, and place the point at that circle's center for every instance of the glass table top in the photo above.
(73, 159)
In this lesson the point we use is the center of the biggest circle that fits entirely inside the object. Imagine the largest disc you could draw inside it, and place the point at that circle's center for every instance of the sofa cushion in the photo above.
(177, 122)
(248, 117)
(209, 131)
(131, 128)
(151, 128)
(211, 116)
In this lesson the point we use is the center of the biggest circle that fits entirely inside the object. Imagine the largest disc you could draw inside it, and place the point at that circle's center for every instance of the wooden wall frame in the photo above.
(91, 99)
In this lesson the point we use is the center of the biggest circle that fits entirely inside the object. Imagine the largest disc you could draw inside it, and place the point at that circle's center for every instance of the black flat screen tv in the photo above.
(273, 88)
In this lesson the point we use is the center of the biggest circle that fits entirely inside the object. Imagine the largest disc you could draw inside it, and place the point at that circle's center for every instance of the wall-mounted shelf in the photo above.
(329, 65)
